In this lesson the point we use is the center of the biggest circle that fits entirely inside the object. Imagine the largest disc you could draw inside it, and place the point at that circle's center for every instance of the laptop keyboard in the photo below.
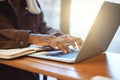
(72, 54)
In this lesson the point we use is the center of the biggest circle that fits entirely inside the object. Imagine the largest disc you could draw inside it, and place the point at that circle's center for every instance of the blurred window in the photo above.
(51, 9)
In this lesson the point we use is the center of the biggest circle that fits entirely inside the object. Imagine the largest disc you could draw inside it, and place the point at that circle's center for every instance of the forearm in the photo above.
(12, 38)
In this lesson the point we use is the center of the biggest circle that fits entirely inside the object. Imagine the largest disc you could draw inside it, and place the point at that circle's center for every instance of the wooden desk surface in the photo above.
(103, 65)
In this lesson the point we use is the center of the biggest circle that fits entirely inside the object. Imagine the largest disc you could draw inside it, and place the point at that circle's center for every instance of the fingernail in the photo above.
(65, 51)
(56, 47)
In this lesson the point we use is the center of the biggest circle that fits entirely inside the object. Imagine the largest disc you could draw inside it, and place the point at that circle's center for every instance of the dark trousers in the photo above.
(10, 73)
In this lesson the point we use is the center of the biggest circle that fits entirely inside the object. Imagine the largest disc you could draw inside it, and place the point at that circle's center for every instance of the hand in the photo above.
(42, 40)
(66, 40)
(61, 42)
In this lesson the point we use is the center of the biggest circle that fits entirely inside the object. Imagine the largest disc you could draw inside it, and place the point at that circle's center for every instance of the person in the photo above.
(22, 24)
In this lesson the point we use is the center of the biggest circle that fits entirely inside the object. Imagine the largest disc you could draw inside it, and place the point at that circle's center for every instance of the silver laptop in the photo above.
(97, 41)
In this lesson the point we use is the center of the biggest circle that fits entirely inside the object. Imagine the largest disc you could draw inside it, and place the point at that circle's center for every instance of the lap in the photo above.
(11, 73)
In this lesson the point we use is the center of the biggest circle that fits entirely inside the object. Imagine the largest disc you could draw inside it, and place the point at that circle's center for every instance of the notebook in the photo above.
(18, 52)
(98, 39)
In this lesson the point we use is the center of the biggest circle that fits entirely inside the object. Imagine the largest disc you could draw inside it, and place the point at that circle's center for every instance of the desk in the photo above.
(107, 65)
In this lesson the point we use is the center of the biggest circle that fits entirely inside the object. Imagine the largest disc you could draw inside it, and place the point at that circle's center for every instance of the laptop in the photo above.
(97, 41)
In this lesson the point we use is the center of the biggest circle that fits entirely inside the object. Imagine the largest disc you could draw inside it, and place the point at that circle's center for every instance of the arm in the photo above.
(10, 37)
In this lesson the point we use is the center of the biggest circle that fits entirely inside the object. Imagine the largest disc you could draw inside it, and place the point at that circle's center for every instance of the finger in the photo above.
(51, 40)
(73, 41)
(67, 49)
(69, 40)
(63, 47)
(79, 42)
(54, 45)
